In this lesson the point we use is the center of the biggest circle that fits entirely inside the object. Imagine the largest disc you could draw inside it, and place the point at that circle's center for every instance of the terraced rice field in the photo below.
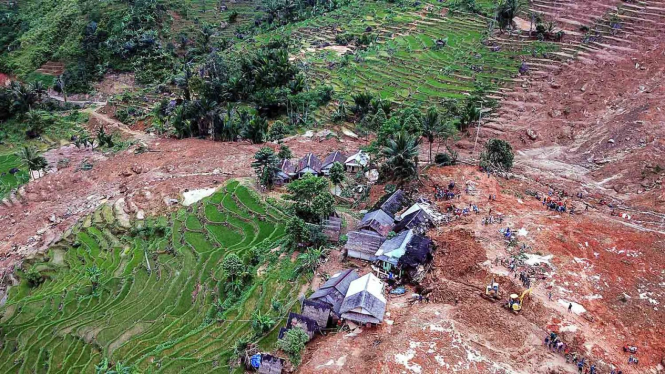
(10, 181)
(404, 64)
(163, 320)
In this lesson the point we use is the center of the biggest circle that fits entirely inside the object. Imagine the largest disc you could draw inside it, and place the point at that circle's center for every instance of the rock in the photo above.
(372, 175)
(140, 215)
(555, 85)
(531, 134)
(41, 232)
(602, 161)
(52, 218)
(555, 113)
(619, 188)
(122, 188)
(120, 215)
(127, 173)
(583, 88)
(611, 141)
(138, 169)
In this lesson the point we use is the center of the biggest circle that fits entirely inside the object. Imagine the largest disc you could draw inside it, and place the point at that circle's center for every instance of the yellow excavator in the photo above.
(492, 292)
(515, 302)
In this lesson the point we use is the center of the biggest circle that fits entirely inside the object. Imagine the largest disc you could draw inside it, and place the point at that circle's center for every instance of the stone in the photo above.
(531, 134)
(555, 85)
(611, 141)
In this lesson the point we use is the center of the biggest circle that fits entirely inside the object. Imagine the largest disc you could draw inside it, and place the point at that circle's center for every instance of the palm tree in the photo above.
(32, 160)
(469, 115)
(431, 123)
(256, 130)
(401, 155)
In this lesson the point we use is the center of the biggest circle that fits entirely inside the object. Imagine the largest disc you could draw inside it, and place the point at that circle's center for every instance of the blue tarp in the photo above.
(256, 361)
(398, 291)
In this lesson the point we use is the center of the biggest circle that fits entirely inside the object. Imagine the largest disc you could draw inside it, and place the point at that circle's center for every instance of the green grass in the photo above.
(9, 181)
(159, 320)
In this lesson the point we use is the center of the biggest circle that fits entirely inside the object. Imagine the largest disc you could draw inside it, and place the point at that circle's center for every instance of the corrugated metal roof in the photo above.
(361, 158)
(363, 241)
(378, 221)
(309, 161)
(395, 247)
(394, 203)
(370, 283)
(336, 156)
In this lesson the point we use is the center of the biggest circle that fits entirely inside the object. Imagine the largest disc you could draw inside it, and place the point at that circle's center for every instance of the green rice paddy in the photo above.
(164, 320)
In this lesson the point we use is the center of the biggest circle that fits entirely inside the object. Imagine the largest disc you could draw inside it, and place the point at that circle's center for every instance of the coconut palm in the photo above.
(401, 155)
(32, 160)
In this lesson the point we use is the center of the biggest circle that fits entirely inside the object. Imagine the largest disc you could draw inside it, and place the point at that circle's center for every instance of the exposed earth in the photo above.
(593, 123)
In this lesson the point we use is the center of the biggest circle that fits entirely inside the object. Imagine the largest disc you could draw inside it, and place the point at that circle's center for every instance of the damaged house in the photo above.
(417, 259)
(364, 302)
(390, 252)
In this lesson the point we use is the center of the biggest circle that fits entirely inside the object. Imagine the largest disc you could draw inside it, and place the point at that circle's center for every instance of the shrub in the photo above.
(443, 159)
(498, 154)
(293, 343)
(33, 277)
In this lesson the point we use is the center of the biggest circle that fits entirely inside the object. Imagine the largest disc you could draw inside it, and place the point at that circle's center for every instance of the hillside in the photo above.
(157, 215)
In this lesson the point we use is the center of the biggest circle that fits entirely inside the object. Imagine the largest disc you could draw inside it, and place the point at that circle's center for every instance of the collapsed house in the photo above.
(364, 302)
(388, 255)
(334, 290)
(419, 221)
(329, 161)
(266, 363)
(429, 210)
(417, 259)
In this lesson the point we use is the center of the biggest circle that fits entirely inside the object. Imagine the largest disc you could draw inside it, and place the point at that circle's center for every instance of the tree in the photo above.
(266, 166)
(498, 154)
(297, 232)
(262, 323)
(337, 173)
(431, 124)
(255, 130)
(412, 125)
(233, 266)
(379, 119)
(32, 160)
(470, 114)
(277, 131)
(311, 198)
(293, 343)
(284, 152)
(401, 155)
(505, 13)
(93, 273)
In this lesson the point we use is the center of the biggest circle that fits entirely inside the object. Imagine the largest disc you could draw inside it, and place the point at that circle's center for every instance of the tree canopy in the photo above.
(312, 200)
(498, 154)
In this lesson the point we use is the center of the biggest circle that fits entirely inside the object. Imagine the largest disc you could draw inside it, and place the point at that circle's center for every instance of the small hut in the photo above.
(332, 228)
(308, 325)
(268, 364)
(418, 220)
